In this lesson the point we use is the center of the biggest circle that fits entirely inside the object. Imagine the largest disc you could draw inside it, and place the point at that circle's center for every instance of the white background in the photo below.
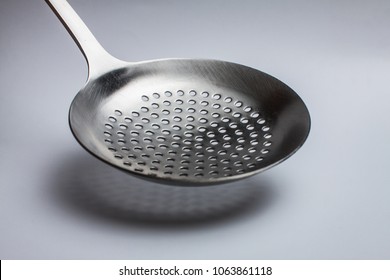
(329, 201)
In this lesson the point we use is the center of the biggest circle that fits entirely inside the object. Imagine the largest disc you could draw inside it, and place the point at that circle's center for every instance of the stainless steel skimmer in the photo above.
(182, 121)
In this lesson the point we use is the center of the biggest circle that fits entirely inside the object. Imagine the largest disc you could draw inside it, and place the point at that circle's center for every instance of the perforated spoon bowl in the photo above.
(182, 121)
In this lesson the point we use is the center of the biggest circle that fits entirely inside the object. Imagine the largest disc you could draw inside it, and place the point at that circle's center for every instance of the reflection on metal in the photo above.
(182, 121)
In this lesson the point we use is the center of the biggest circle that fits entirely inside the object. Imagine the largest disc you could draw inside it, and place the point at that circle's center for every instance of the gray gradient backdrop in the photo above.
(329, 201)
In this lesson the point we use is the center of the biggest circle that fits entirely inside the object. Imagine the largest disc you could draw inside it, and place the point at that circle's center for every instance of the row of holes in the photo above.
(187, 162)
(176, 127)
(213, 166)
(191, 140)
(189, 149)
(192, 93)
(189, 118)
(238, 132)
(198, 138)
(200, 173)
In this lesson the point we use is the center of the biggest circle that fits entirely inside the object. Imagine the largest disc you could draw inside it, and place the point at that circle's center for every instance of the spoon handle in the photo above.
(98, 59)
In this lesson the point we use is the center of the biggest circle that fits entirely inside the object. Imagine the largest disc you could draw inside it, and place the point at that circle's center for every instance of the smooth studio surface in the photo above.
(329, 201)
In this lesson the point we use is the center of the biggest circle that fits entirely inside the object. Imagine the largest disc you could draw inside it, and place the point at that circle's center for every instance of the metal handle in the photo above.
(98, 59)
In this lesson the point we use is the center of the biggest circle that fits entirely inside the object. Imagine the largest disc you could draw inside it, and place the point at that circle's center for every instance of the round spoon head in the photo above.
(189, 122)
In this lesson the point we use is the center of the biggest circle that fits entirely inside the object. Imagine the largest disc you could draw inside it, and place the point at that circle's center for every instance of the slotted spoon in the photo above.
(181, 121)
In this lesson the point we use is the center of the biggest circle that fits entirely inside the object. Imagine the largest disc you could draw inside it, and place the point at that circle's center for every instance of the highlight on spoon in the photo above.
(182, 121)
